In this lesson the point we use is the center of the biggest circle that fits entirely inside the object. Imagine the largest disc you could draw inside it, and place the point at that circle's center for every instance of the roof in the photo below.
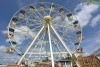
(64, 60)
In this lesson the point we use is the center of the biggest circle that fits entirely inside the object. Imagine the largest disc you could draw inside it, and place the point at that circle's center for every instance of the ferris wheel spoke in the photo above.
(48, 9)
(33, 25)
(74, 36)
(36, 45)
(69, 51)
(30, 45)
(57, 46)
(34, 14)
(42, 45)
(36, 22)
(55, 15)
(63, 31)
(41, 19)
(60, 46)
(57, 28)
(60, 26)
(36, 28)
(68, 38)
(36, 18)
(40, 15)
(60, 30)
(45, 13)
(33, 20)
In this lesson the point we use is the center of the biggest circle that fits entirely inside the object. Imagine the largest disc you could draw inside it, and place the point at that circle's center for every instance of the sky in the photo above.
(87, 14)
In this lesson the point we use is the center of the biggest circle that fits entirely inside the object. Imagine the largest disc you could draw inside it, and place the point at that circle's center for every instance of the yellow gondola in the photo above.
(41, 8)
(77, 27)
(22, 14)
(80, 38)
(10, 50)
(31, 9)
(14, 22)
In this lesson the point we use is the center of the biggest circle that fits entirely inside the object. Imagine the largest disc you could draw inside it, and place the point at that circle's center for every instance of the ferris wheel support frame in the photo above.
(30, 46)
(52, 59)
(63, 43)
(49, 28)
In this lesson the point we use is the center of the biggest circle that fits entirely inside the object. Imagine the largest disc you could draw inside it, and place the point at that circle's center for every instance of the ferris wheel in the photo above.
(44, 29)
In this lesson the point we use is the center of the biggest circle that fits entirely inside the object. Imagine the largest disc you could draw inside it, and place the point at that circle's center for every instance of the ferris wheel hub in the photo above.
(47, 19)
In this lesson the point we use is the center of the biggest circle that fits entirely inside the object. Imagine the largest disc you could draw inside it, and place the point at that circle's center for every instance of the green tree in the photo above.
(93, 1)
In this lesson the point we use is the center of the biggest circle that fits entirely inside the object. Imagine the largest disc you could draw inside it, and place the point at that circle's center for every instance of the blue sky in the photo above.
(88, 15)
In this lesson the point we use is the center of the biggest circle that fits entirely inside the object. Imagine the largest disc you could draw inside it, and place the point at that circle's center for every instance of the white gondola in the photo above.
(75, 22)
(79, 50)
(13, 42)
(14, 22)
(52, 7)
(61, 11)
(11, 30)
(70, 16)
(8, 36)
(77, 43)
(22, 64)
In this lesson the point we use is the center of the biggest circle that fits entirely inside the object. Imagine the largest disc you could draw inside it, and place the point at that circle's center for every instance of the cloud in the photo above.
(21, 33)
(3, 48)
(59, 23)
(4, 32)
(86, 54)
(5, 57)
(24, 30)
(95, 21)
(84, 13)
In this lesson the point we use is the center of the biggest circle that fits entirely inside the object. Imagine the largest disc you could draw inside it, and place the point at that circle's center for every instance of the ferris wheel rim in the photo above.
(32, 4)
